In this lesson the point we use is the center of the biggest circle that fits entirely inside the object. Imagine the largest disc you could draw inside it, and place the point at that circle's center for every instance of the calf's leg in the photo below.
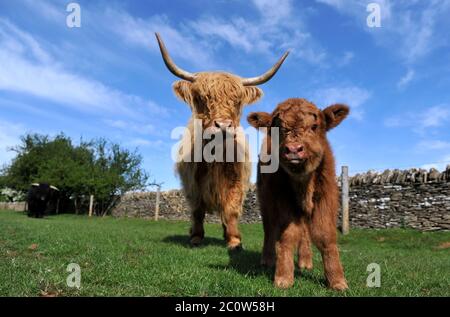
(305, 255)
(284, 271)
(324, 236)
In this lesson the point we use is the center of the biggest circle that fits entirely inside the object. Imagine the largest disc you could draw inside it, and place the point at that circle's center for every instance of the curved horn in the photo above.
(35, 184)
(266, 76)
(54, 188)
(174, 69)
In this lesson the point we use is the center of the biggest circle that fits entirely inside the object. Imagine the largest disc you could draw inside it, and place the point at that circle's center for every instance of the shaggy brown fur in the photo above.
(217, 99)
(217, 186)
(299, 202)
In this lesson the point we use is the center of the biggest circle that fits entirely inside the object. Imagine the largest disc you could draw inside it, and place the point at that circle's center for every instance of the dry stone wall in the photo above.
(414, 198)
(15, 206)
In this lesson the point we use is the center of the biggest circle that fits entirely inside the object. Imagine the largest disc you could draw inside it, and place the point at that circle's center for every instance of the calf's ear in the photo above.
(334, 115)
(182, 90)
(251, 95)
(259, 119)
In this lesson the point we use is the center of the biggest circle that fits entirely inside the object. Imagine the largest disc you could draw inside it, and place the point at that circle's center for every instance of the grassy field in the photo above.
(134, 257)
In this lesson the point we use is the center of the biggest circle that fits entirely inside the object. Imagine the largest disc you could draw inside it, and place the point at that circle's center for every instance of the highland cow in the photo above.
(38, 198)
(299, 201)
(217, 99)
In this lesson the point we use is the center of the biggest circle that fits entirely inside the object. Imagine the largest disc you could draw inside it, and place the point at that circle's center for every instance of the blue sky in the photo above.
(107, 79)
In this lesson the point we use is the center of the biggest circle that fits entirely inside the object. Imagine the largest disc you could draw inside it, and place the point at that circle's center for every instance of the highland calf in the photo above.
(299, 201)
(216, 100)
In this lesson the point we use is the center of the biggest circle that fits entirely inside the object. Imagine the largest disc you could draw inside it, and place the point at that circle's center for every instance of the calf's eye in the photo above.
(314, 127)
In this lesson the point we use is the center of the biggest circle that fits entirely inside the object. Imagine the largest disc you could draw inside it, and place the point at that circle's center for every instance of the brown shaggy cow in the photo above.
(300, 200)
(217, 99)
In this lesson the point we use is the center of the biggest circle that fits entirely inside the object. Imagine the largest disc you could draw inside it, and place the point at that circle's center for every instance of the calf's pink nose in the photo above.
(294, 148)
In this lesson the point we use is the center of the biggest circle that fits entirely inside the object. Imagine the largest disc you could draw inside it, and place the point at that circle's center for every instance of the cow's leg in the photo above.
(230, 221)
(230, 213)
(285, 248)
(197, 231)
(323, 233)
(268, 254)
(305, 255)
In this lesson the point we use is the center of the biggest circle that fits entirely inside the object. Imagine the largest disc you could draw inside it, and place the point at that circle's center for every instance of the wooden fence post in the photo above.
(345, 200)
(158, 193)
(91, 205)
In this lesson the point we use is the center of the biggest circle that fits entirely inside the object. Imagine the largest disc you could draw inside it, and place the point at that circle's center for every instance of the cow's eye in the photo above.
(314, 127)
(285, 130)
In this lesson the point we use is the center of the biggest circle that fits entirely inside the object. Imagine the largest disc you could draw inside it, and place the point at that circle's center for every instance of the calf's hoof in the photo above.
(339, 286)
(234, 244)
(196, 241)
(282, 282)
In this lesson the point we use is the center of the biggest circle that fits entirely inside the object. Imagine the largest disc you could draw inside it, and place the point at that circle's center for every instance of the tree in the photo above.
(97, 167)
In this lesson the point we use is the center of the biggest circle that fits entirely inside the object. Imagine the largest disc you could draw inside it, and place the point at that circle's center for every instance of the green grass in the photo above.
(135, 257)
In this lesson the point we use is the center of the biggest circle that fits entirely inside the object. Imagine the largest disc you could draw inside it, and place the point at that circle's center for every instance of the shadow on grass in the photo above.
(45, 218)
(183, 240)
(245, 262)
(248, 264)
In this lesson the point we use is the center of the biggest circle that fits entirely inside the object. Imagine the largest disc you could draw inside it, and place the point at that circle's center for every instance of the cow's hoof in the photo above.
(306, 265)
(196, 241)
(234, 244)
(237, 248)
(284, 283)
(339, 286)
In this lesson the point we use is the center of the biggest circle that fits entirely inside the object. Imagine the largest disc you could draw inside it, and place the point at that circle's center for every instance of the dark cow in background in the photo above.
(39, 197)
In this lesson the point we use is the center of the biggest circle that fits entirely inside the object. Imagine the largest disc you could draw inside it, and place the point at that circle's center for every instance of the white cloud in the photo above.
(358, 8)
(230, 32)
(12, 38)
(139, 142)
(353, 96)
(432, 118)
(435, 116)
(48, 10)
(440, 165)
(406, 79)
(141, 32)
(409, 28)
(53, 82)
(277, 28)
(274, 11)
(346, 59)
(134, 127)
(433, 145)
